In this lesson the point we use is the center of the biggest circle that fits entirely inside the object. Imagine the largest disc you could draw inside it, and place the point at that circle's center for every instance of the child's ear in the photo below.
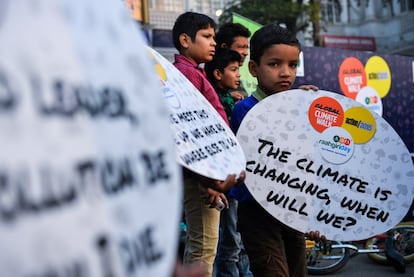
(253, 68)
(184, 40)
(217, 74)
(223, 45)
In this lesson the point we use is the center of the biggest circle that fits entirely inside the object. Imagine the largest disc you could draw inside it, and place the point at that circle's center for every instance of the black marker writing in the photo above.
(286, 202)
(103, 247)
(155, 167)
(8, 97)
(284, 178)
(324, 171)
(29, 191)
(336, 221)
(364, 209)
(67, 100)
(140, 250)
(266, 145)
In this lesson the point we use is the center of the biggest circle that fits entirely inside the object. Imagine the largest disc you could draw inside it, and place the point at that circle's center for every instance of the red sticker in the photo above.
(352, 77)
(325, 112)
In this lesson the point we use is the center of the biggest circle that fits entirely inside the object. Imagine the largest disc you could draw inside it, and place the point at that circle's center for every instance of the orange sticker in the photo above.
(352, 77)
(325, 112)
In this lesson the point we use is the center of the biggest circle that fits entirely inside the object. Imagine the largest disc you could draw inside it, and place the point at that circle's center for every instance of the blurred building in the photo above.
(383, 26)
(161, 15)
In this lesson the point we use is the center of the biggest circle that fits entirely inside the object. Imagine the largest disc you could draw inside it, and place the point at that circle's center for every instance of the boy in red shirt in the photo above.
(193, 36)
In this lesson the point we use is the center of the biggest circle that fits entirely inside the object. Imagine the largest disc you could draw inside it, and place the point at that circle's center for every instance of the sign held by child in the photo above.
(325, 162)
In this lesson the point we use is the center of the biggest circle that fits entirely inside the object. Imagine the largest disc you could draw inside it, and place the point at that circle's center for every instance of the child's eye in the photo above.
(294, 65)
(273, 64)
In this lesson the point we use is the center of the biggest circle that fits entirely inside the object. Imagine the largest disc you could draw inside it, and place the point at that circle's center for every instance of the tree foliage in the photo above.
(295, 15)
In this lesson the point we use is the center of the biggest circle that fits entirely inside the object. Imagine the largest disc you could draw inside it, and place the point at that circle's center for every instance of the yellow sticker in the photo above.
(158, 67)
(378, 75)
(360, 123)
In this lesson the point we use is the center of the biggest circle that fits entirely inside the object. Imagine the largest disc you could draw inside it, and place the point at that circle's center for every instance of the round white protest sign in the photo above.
(204, 142)
(89, 185)
(322, 161)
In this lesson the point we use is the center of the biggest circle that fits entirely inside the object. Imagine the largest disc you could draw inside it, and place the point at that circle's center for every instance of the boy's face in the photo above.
(230, 78)
(277, 69)
(241, 45)
(203, 48)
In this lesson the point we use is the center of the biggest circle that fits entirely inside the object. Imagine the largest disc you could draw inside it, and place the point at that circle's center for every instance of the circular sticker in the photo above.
(204, 142)
(370, 98)
(360, 123)
(352, 77)
(336, 145)
(324, 181)
(378, 75)
(325, 112)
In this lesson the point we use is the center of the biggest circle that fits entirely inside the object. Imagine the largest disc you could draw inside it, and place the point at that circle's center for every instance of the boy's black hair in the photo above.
(221, 59)
(267, 36)
(228, 31)
(190, 23)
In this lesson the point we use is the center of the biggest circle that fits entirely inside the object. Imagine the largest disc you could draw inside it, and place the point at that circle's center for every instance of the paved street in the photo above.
(363, 266)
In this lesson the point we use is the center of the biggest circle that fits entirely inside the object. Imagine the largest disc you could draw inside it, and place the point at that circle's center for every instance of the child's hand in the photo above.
(214, 197)
(315, 236)
(237, 96)
(191, 270)
(223, 186)
(231, 181)
(241, 178)
(308, 87)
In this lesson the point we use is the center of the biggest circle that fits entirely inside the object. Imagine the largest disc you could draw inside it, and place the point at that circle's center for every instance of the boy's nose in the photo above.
(285, 70)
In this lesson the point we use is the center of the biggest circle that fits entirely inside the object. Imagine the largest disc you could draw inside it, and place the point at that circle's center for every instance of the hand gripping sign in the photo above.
(89, 185)
(322, 161)
(204, 142)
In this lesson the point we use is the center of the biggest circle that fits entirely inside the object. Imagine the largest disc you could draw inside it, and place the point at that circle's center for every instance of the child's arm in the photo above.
(223, 186)
(315, 236)
(215, 198)
(237, 96)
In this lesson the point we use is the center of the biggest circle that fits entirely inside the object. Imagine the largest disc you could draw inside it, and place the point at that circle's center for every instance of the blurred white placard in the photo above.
(89, 185)
(205, 143)
(322, 161)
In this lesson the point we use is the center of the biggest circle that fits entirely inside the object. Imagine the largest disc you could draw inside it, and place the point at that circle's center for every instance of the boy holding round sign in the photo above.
(224, 74)
(193, 36)
(274, 249)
